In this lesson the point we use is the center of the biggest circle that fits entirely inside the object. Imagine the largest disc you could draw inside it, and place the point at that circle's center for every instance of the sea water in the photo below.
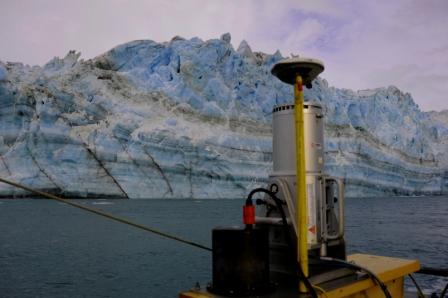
(49, 249)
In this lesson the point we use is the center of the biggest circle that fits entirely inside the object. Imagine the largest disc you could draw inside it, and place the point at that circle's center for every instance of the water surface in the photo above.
(49, 249)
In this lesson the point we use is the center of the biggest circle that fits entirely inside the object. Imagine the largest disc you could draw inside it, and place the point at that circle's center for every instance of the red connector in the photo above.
(249, 214)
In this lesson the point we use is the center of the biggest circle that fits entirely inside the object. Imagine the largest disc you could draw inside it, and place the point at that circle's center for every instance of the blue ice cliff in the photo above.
(192, 119)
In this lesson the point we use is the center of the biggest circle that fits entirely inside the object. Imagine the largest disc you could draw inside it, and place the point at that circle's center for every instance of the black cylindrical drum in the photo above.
(240, 262)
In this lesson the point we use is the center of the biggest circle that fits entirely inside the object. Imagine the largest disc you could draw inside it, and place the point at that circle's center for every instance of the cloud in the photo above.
(38, 30)
(403, 43)
(364, 44)
(407, 76)
(307, 35)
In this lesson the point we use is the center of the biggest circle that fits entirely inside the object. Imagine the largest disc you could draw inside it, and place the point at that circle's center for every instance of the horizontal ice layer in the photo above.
(192, 119)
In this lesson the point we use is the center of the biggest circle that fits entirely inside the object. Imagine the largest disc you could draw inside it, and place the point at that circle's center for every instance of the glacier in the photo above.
(192, 119)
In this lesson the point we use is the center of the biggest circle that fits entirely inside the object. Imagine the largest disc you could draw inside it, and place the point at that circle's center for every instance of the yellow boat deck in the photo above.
(391, 271)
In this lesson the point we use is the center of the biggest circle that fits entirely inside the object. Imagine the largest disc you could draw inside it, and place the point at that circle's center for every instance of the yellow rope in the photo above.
(98, 212)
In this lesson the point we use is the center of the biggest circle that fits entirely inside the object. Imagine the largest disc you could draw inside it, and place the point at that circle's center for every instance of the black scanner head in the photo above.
(287, 70)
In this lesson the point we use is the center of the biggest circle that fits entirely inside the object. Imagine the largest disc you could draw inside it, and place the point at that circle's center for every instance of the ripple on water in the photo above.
(102, 203)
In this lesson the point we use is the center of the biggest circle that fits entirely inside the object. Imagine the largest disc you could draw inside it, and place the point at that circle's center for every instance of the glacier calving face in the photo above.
(192, 119)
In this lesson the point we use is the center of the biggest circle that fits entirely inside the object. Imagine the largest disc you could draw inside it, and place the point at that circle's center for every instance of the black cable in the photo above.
(278, 203)
(433, 271)
(337, 262)
(419, 290)
(442, 295)
(372, 275)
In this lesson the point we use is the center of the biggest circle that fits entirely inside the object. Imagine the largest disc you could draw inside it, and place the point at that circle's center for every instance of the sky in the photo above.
(364, 44)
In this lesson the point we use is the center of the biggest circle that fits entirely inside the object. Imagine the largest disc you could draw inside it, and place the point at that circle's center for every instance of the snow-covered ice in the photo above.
(192, 119)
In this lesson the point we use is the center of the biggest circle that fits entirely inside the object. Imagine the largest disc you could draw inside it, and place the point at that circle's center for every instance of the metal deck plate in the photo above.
(390, 270)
